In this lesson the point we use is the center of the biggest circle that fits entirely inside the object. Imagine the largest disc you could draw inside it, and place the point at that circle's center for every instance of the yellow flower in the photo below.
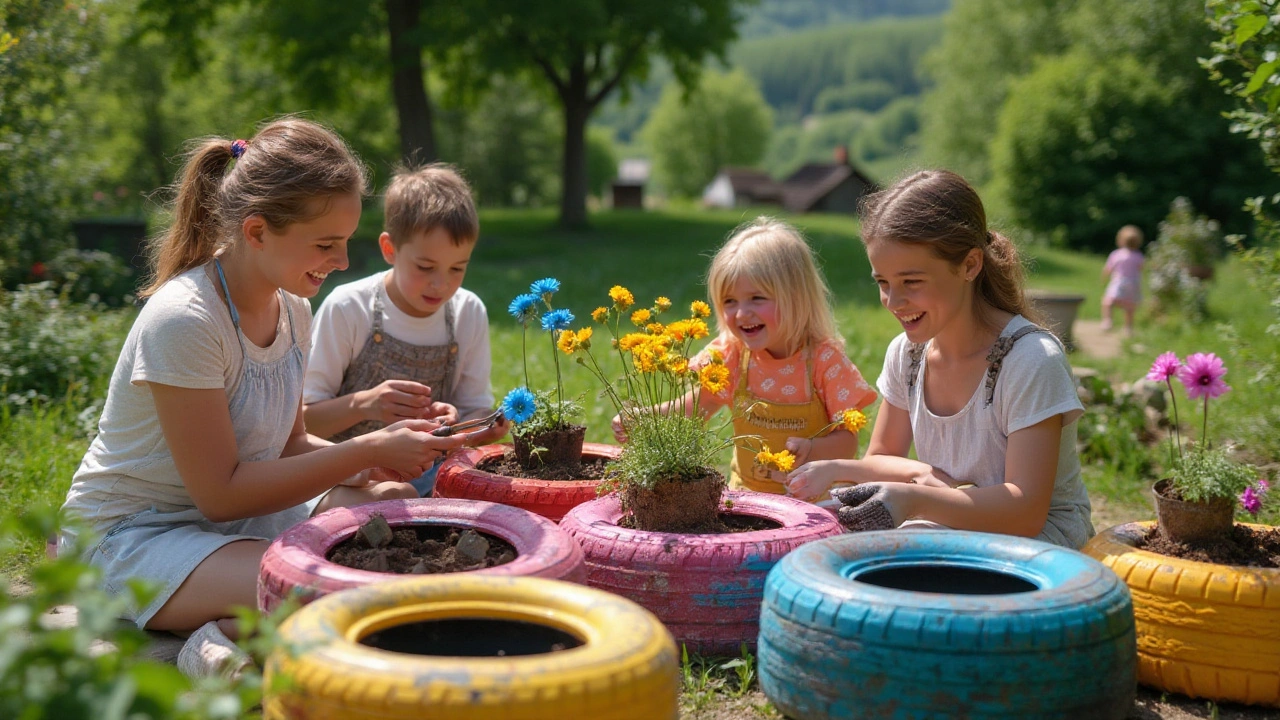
(622, 297)
(600, 314)
(716, 356)
(697, 329)
(584, 337)
(678, 330)
(677, 365)
(662, 304)
(700, 309)
(640, 317)
(782, 460)
(645, 359)
(654, 328)
(568, 342)
(853, 420)
(630, 341)
(714, 377)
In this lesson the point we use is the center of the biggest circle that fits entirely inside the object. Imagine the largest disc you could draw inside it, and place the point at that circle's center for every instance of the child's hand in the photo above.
(409, 447)
(812, 480)
(395, 400)
(441, 412)
(800, 447)
(873, 506)
(619, 432)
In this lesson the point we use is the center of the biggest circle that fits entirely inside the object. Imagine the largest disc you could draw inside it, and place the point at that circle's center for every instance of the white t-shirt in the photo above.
(344, 323)
(1033, 385)
(183, 337)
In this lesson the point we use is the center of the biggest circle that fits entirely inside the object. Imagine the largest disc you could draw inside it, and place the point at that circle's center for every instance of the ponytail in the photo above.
(940, 209)
(193, 237)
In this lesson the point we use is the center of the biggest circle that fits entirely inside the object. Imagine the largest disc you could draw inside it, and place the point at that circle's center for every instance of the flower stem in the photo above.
(1177, 433)
(524, 351)
(1204, 429)
(555, 355)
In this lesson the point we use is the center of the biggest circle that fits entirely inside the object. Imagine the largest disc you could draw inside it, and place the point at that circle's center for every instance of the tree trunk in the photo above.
(413, 107)
(577, 109)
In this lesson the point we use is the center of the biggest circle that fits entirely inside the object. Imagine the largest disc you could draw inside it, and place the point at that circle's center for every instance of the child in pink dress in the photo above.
(1124, 266)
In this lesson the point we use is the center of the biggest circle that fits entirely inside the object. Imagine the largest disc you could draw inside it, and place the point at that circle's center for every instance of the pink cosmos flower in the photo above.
(1251, 501)
(1165, 367)
(1202, 374)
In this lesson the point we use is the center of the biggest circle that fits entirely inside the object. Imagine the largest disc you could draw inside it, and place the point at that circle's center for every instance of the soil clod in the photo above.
(376, 531)
(421, 549)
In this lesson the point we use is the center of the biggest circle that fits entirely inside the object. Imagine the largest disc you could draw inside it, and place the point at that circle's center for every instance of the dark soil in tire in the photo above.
(425, 550)
(591, 468)
(559, 445)
(724, 524)
(676, 505)
(1242, 546)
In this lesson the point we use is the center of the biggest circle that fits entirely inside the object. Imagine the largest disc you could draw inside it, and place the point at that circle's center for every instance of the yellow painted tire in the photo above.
(626, 668)
(1204, 630)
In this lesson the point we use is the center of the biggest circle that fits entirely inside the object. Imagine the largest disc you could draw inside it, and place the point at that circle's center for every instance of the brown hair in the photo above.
(773, 255)
(418, 200)
(940, 209)
(1130, 236)
(289, 163)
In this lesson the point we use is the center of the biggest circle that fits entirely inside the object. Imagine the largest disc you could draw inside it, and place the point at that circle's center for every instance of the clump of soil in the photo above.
(675, 504)
(723, 524)
(1242, 546)
(591, 468)
(420, 549)
(555, 445)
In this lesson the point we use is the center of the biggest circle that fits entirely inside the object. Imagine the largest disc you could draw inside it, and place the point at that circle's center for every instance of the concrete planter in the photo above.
(1059, 311)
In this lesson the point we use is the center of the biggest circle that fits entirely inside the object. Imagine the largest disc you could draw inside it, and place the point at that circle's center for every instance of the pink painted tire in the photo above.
(295, 564)
(707, 589)
(458, 477)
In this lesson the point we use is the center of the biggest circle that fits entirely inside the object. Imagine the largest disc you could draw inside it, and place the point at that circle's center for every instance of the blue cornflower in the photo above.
(557, 320)
(545, 288)
(519, 405)
(524, 308)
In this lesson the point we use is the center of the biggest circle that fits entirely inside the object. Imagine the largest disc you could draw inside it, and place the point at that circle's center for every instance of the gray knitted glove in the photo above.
(864, 508)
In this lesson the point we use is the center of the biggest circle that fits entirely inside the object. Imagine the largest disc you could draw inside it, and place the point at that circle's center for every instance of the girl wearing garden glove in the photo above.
(985, 395)
(201, 455)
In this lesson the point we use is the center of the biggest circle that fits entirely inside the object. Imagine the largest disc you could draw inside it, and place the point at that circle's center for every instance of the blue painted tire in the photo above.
(833, 646)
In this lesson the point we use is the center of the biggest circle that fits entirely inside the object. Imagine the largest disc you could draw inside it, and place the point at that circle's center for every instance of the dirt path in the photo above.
(1091, 340)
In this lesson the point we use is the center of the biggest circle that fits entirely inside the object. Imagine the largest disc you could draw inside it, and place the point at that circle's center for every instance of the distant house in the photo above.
(834, 187)
(737, 187)
(628, 188)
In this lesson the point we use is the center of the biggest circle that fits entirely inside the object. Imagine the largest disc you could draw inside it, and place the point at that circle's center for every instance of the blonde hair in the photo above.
(1129, 236)
(941, 210)
(287, 165)
(774, 256)
(418, 200)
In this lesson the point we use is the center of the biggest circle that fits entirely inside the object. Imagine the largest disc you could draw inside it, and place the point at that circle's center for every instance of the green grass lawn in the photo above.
(667, 253)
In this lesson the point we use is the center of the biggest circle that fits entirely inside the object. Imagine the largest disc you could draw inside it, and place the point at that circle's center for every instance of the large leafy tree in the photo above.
(724, 121)
(585, 50)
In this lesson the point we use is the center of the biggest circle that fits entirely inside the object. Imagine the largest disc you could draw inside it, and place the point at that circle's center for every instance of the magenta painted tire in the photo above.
(295, 564)
(707, 589)
(459, 478)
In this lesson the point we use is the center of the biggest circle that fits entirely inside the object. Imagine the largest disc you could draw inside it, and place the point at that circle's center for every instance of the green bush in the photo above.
(1186, 241)
(55, 349)
(92, 276)
(1112, 432)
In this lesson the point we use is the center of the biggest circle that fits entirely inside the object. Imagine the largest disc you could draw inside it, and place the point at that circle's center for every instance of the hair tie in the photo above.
(238, 148)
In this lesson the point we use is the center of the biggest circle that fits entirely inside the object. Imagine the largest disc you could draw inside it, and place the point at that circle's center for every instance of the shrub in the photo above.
(54, 349)
(92, 276)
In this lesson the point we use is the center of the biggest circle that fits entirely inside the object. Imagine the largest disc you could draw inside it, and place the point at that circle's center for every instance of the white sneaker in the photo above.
(210, 653)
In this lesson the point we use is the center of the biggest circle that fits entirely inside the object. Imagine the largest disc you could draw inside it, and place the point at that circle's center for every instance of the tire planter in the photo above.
(1204, 630)
(705, 588)
(875, 625)
(459, 478)
(625, 667)
(295, 564)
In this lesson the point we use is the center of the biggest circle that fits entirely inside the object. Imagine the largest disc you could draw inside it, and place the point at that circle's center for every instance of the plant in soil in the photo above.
(1196, 502)
(420, 549)
(544, 434)
(665, 475)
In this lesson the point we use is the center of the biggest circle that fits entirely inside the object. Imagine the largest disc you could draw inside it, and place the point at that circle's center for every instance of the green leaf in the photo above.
(1260, 76)
(1248, 27)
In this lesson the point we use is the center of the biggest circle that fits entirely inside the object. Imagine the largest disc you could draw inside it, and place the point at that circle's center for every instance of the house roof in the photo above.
(753, 183)
(802, 190)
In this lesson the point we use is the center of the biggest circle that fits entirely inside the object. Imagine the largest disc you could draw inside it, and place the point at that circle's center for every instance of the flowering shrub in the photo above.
(537, 411)
(666, 439)
(1202, 473)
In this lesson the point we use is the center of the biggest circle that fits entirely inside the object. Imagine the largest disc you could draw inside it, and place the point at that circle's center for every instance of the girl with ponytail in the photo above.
(201, 455)
(984, 393)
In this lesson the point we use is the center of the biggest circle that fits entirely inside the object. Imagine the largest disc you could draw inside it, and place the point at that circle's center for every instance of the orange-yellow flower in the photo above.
(622, 297)
(584, 337)
(697, 329)
(654, 328)
(568, 342)
(714, 377)
(700, 309)
(782, 460)
(630, 341)
(853, 421)
(640, 317)
(600, 314)
(716, 356)
(678, 330)
(662, 304)
(677, 365)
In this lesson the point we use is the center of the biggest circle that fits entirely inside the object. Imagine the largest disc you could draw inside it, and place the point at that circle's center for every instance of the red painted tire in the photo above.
(459, 478)
(295, 564)
(707, 589)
